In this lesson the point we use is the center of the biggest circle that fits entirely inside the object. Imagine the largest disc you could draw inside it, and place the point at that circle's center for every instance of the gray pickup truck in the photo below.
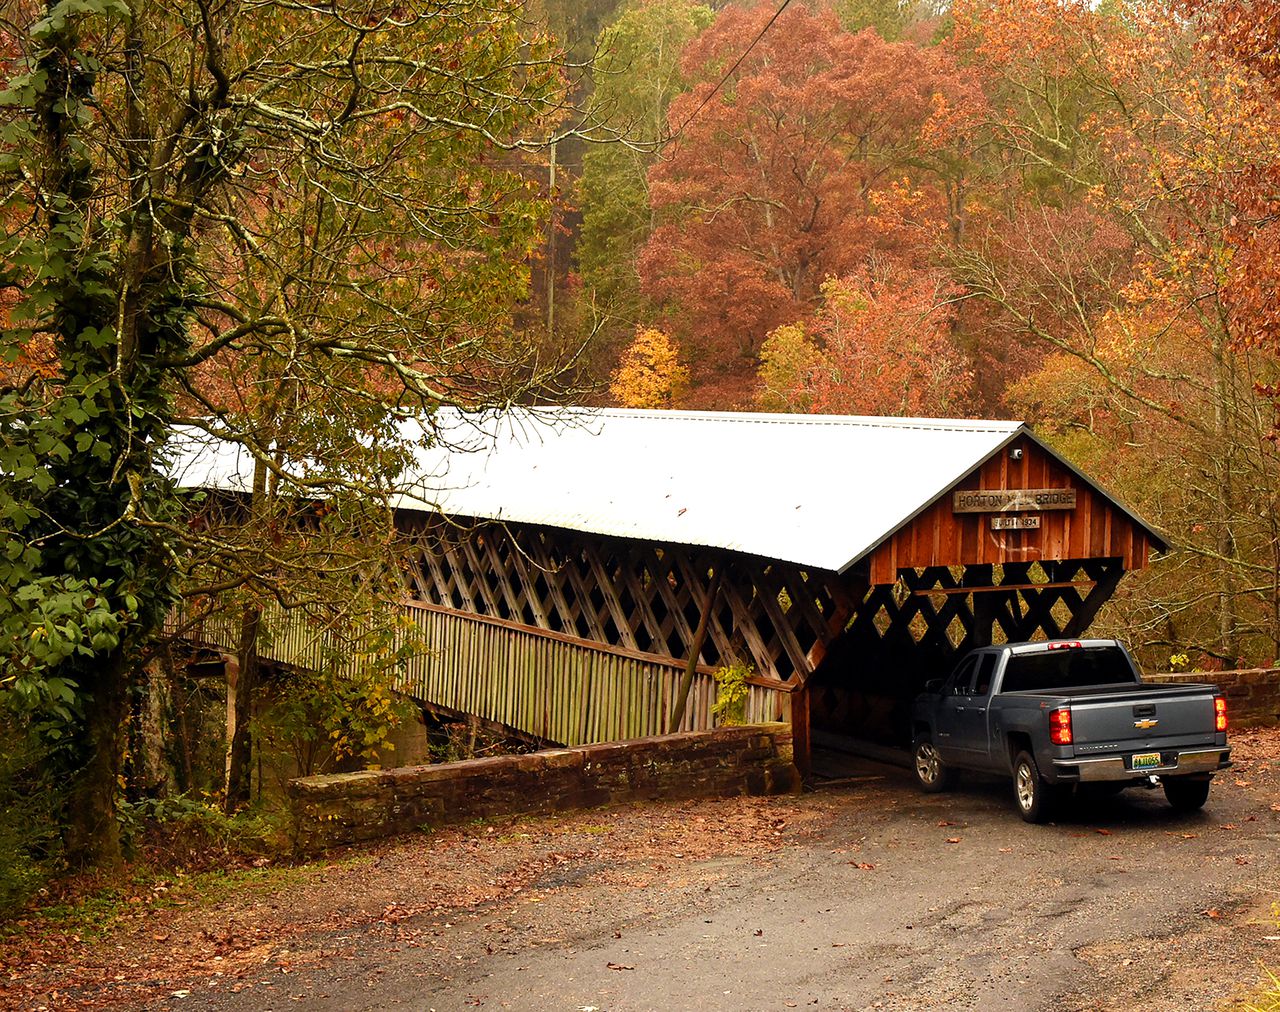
(1061, 713)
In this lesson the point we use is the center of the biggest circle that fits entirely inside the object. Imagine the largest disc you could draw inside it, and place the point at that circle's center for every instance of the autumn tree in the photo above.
(821, 149)
(650, 374)
(636, 76)
(307, 191)
(788, 360)
(1114, 249)
(1235, 35)
(880, 346)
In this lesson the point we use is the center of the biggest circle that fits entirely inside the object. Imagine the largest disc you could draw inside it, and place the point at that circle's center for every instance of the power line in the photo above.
(729, 73)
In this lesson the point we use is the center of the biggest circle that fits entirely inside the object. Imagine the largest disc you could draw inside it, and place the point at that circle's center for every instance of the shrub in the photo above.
(29, 804)
(730, 707)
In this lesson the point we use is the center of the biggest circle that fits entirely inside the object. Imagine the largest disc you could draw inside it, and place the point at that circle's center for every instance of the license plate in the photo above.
(1146, 761)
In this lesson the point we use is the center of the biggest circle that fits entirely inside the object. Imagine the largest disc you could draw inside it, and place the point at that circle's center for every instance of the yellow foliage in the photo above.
(787, 360)
(650, 374)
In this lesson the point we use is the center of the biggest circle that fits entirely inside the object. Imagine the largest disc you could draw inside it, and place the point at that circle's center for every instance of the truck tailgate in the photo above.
(1156, 720)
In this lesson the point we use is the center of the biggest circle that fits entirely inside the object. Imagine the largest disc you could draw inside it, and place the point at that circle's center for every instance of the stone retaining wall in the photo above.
(352, 807)
(1253, 695)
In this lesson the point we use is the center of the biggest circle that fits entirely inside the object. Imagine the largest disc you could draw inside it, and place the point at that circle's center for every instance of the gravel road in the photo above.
(863, 895)
(886, 899)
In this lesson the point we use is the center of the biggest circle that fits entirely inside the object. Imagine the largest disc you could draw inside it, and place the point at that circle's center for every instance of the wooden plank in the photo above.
(1101, 593)
(604, 648)
(746, 628)
(643, 558)
(670, 600)
(442, 586)
(1000, 588)
(498, 570)
(473, 560)
(583, 592)
(555, 576)
(528, 578)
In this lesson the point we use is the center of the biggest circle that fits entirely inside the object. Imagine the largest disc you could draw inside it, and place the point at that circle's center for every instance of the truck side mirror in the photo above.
(933, 685)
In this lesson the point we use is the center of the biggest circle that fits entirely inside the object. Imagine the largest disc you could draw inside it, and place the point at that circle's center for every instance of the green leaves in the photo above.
(66, 13)
(43, 623)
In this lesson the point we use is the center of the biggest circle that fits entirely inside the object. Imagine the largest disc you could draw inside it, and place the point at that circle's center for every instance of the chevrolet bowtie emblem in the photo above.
(1146, 723)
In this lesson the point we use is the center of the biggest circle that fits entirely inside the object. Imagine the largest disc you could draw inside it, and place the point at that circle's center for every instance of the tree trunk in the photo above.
(241, 685)
(93, 834)
(241, 692)
(1224, 418)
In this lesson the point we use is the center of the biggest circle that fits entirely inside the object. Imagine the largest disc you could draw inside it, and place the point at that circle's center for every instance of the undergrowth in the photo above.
(179, 850)
(88, 907)
(1267, 999)
(29, 834)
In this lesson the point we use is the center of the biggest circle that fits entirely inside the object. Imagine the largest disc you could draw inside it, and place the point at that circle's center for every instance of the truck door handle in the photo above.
(980, 709)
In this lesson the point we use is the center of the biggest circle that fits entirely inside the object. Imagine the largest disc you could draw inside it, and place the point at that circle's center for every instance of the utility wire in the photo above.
(729, 73)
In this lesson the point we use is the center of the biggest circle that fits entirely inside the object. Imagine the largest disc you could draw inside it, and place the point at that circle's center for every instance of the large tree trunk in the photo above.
(1225, 429)
(241, 693)
(93, 833)
(241, 690)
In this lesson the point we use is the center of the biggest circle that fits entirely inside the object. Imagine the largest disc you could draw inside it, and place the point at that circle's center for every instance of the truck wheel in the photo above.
(1186, 794)
(1037, 800)
(931, 773)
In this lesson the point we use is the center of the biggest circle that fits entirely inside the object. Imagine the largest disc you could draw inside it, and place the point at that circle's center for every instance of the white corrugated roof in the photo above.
(816, 490)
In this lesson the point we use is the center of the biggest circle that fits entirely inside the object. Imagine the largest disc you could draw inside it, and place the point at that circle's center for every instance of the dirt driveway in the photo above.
(865, 895)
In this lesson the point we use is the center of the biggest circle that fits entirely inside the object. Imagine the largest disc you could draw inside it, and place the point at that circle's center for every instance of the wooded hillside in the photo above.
(1049, 210)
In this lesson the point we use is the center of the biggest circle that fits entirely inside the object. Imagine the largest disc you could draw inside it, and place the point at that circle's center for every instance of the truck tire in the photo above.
(1037, 800)
(1186, 794)
(932, 774)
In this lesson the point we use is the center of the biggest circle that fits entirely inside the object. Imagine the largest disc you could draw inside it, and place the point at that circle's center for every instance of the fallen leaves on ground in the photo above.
(395, 888)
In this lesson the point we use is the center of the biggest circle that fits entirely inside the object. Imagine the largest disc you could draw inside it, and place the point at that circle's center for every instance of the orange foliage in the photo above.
(1245, 38)
(882, 347)
(821, 151)
(650, 374)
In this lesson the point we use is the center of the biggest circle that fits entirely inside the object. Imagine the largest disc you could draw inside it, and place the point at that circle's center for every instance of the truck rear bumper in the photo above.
(1201, 761)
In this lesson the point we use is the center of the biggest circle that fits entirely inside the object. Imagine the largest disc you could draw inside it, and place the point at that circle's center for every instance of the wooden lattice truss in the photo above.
(636, 597)
(639, 598)
(941, 610)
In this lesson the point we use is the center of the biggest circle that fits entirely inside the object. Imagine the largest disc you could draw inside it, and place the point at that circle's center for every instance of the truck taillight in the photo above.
(1060, 726)
(1219, 713)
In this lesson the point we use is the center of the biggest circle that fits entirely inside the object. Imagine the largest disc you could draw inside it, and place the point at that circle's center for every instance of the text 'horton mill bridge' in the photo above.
(574, 559)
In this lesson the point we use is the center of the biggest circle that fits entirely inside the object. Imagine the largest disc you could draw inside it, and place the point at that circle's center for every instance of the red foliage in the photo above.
(887, 350)
(819, 151)
(1248, 34)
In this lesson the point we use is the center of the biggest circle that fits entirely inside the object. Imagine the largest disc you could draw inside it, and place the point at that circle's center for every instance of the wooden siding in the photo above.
(551, 686)
(1096, 528)
(559, 688)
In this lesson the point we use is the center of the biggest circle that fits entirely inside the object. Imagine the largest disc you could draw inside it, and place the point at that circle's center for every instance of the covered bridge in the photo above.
(573, 559)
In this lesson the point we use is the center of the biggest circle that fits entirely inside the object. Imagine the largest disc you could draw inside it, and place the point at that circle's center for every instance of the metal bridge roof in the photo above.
(816, 490)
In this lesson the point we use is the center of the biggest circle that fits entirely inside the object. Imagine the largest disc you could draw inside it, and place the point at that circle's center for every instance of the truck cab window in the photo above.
(958, 683)
(982, 680)
(1068, 669)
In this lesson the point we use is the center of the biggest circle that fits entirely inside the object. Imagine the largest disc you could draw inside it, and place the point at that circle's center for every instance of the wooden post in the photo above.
(801, 740)
(695, 649)
(982, 629)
